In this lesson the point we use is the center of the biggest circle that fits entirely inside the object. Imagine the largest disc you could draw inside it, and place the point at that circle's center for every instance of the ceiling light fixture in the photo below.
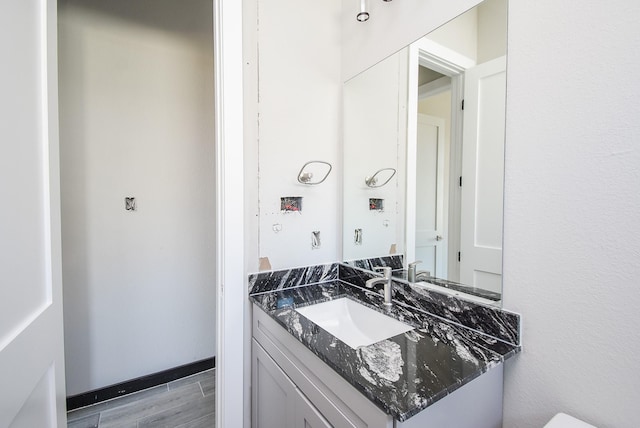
(363, 15)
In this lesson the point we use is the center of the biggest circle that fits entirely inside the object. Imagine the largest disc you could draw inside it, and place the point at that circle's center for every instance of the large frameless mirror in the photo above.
(426, 127)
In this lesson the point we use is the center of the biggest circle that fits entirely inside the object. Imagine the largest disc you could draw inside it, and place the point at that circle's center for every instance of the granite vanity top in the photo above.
(452, 285)
(403, 374)
(395, 262)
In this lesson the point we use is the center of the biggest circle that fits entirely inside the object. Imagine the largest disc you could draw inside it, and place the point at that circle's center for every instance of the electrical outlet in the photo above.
(291, 203)
(376, 204)
(130, 204)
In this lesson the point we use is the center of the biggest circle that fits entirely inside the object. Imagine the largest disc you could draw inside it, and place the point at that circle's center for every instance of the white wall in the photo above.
(299, 108)
(136, 115)
(459, 34)
(492, 29)
(572, 211)
(571, 234)
(392, 26)
(375, 109)
(479, 34)
(439, 106)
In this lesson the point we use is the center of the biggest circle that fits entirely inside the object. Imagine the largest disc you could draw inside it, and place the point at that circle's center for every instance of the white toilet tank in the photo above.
(562, 420)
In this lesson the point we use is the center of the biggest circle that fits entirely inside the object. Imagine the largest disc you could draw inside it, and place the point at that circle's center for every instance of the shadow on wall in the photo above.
(168, 15)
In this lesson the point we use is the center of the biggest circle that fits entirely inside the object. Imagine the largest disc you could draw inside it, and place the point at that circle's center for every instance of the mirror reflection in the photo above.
(434, 112)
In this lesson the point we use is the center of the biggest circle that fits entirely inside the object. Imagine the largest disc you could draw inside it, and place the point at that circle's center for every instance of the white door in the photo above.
(430, 205)
(482, 175)
(32, 392)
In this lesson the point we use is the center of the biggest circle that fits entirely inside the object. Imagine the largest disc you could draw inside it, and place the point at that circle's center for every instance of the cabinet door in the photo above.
(274, 395)
(307, 416)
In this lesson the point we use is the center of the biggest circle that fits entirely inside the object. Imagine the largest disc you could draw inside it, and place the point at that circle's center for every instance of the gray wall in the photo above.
(136, 114)
(572, 211)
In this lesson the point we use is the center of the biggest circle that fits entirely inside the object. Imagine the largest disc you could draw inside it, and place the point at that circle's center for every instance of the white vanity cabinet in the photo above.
(277, 401)
(293, 388)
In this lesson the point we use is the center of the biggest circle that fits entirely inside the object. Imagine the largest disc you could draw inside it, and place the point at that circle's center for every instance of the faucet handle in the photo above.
(386, 271)
(414, 264)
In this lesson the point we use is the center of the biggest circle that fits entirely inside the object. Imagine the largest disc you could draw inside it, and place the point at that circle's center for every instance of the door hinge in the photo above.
(462, 105)
(458, 255)
(460, 181)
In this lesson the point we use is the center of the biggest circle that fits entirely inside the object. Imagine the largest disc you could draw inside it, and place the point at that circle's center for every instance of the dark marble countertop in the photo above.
(403, 374)
(451, 285)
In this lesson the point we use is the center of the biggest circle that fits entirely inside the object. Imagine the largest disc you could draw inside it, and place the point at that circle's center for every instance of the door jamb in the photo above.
(230, 283)
(437, 57)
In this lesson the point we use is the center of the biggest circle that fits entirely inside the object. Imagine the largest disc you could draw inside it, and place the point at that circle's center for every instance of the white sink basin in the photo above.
(353, 323)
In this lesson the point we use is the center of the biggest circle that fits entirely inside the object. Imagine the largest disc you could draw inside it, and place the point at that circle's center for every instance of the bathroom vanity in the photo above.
(438, 373)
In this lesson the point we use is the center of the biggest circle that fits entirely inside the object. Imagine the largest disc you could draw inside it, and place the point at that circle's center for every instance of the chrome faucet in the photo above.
(413, 274)
(386, 279)
(411, 270)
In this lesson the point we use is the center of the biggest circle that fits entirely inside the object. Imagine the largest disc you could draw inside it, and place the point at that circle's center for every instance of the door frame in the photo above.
(232, 405)
(435, 56)
(231, 383)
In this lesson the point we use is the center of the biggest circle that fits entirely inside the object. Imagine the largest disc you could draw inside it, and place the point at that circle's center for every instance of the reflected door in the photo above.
(482, 175)
(430, 211)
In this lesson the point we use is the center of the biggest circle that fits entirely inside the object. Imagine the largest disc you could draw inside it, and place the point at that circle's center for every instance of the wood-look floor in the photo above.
(183, 403)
